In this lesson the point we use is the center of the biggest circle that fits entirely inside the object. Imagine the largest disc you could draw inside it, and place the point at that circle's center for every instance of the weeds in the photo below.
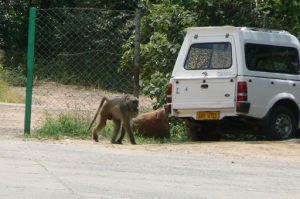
(76, 126)
(179, 131)
(65, 125)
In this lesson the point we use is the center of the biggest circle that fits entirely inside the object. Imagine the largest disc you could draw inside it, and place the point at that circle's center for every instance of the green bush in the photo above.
(14, 76)
(179, 131)
(156, 88)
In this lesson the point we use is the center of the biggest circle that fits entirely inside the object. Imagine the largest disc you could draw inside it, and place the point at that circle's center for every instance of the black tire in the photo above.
(281, 124)
(203, 131)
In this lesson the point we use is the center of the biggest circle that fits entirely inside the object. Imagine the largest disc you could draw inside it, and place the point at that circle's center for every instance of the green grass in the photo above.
(65, 125)
(76, 126)
(7, 94)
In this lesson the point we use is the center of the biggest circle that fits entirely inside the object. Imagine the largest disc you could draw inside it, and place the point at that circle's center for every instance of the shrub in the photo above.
(156, 88)
(14, 76)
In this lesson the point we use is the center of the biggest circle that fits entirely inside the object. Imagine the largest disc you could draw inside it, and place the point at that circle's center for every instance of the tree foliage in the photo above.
(83, 47)
(164, 23)
(163, 27)
(13, 32)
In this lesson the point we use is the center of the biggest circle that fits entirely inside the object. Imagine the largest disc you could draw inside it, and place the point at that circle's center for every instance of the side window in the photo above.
(274, 59)
(209, 56)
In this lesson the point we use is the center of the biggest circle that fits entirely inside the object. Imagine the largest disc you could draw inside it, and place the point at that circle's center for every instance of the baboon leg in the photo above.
(129, 132)
(98, 128)
(115, 132)
(121, 136)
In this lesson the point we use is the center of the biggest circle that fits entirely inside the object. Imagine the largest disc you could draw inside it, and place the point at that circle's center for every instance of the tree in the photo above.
(13, 25)
(164, 23)
(163, 26)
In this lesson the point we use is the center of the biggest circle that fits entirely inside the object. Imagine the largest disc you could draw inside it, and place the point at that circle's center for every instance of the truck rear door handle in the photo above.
(204, 86)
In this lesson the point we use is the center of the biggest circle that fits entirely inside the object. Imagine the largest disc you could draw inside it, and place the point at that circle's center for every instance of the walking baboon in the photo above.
(120, 110)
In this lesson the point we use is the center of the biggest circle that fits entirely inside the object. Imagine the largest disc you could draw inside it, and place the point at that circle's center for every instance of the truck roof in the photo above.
(248, 34)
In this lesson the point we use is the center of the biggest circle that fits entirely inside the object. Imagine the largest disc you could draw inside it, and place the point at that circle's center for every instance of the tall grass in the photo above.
(62, 126)
(14, 76)
(7, 94)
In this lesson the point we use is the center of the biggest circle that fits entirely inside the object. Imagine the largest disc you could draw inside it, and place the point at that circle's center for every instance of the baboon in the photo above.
(120, 110)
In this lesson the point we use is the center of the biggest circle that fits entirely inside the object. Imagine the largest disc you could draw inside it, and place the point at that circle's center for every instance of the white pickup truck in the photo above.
(237, 72)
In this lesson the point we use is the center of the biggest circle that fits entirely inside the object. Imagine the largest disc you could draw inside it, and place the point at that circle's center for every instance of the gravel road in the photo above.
(84, 169)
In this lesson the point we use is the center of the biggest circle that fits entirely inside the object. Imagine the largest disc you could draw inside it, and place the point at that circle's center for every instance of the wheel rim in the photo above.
(283, 125)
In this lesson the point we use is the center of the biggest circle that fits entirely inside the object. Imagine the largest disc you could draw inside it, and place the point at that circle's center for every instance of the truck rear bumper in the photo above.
(192, 113)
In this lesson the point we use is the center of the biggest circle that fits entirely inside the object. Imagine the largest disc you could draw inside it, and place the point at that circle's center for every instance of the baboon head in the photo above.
(133, 105)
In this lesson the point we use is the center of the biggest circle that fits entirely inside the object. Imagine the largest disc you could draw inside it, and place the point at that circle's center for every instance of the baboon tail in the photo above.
(98, 111)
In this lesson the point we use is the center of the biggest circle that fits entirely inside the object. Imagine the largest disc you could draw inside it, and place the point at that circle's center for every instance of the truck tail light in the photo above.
(242, 92)
(169, 93)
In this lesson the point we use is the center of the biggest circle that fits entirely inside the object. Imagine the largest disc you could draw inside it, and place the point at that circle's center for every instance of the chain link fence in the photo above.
(78, 56)
(83, 47)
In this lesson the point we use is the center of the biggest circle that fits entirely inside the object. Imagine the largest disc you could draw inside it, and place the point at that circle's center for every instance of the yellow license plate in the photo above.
(208, 115)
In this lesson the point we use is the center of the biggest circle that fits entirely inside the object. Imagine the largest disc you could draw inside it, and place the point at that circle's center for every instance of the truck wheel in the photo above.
(202, 131)
(281, 124)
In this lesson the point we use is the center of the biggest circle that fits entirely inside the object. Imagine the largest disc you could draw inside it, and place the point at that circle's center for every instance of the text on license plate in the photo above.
(208, 115)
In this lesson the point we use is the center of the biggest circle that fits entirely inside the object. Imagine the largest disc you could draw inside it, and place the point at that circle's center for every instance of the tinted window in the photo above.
(209, 56)
(276, 59)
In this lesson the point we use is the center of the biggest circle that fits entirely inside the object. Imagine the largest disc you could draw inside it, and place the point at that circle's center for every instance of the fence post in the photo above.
(30, 64)
(136, 62)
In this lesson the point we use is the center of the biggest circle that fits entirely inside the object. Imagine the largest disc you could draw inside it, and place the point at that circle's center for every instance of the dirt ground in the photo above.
(58, 97)
(53, 99)
(62, 97)
(279, 150)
